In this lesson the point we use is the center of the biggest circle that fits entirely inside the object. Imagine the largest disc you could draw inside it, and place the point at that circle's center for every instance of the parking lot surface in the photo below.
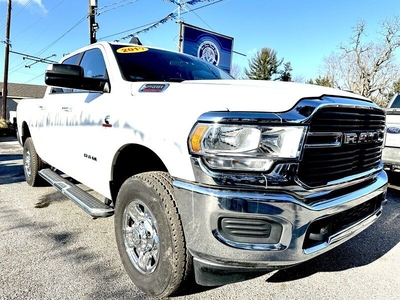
(50, 249)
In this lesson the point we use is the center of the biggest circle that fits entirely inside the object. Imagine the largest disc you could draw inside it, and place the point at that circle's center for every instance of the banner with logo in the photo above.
(210, 46)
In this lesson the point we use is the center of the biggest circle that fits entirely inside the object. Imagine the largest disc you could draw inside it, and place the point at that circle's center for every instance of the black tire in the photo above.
(149, 235)
(32, 164)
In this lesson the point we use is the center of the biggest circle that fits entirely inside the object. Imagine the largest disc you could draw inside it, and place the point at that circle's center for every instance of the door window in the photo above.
(93, 64)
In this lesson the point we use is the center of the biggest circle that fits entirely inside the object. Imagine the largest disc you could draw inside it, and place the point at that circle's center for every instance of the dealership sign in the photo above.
(210, 46)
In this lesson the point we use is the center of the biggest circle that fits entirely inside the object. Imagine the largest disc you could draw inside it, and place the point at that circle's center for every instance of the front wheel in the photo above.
(149, 234)
(32, 164)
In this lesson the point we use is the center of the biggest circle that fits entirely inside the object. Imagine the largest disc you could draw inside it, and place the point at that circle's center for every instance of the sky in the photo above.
(301, 32)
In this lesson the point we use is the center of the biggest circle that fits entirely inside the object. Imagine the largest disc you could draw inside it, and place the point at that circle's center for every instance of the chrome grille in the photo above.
(321, 165)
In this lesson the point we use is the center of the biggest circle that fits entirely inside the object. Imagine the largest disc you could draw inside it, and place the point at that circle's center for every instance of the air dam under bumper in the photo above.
(235, 234)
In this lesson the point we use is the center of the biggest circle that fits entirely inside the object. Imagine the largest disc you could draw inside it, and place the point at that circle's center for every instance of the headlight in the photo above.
(245, 147)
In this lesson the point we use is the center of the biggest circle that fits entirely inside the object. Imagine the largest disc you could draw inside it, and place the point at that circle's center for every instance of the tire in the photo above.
(149, 234)
(32, 164)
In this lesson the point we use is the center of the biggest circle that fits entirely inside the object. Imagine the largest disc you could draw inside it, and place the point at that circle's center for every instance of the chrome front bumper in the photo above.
(219, 260)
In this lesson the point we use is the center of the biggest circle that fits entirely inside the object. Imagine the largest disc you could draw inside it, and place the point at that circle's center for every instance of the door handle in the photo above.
(66, 108)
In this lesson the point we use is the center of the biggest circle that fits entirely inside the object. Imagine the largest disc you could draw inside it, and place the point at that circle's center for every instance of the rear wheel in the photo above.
(32, 164)
(150, 236)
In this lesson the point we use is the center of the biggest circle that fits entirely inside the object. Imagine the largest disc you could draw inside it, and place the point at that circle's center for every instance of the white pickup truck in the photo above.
(391, 152)
(206, 176)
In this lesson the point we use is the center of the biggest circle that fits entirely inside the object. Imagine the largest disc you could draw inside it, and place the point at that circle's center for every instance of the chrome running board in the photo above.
(84, 200)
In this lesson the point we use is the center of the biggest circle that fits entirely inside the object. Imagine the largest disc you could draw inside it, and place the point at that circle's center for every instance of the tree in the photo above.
(263, 65)
(236, 71)
(322, 81)
(368, 69)
(286, 74)
(396, 86)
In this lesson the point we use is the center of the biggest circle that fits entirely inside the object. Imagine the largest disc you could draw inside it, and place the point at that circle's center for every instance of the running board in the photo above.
(84, 200)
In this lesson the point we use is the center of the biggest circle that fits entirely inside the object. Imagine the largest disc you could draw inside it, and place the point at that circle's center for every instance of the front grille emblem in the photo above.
(363, 137)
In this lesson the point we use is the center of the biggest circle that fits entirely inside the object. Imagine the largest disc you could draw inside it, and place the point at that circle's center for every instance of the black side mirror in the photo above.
(71, 76)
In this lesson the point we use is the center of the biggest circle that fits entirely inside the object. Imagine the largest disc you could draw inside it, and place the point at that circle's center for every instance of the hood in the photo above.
(255, 95)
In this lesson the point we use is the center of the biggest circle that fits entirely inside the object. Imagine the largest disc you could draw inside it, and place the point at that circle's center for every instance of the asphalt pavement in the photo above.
(51, 249)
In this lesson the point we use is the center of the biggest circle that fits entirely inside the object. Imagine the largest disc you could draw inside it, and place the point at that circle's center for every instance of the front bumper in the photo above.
(296, 231)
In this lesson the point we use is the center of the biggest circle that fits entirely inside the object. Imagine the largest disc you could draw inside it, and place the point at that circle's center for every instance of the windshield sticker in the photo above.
(153, 88)
(135, 49)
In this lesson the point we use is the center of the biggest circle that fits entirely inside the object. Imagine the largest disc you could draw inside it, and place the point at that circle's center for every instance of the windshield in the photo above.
(138, 63)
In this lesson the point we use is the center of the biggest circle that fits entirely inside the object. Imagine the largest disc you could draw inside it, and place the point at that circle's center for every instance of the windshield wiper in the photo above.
(176, 79)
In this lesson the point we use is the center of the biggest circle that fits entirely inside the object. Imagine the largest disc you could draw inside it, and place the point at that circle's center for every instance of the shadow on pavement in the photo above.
(6, 157)
(11, 170)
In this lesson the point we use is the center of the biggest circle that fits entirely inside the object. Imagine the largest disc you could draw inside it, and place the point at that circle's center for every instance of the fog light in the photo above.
(252, 231)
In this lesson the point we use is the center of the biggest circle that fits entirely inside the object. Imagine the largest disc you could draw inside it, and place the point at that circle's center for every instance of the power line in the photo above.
(169, 17)
(34, 78)
(202, 20)
(108, 8)
(73, 27)
(42, 17)
(19, 66)
(193, 11)
(212, 3)
(125, 31)
(2, 18)
(47, 27)
(115, 3)
(19, 11)
(103, 9)
(155, 22)
(35, 58)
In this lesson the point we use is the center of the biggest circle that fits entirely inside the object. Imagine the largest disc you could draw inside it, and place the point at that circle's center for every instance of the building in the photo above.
(18, 91)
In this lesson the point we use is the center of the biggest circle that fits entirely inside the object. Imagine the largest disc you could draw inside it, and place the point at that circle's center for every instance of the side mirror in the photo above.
(71, 76)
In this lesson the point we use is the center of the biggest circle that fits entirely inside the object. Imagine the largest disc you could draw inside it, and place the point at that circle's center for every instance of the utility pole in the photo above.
(6, 58)
(180, 26)
(93, 26)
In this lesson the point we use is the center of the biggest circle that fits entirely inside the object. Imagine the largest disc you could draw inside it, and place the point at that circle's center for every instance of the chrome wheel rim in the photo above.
(141, 239)
(27, 164)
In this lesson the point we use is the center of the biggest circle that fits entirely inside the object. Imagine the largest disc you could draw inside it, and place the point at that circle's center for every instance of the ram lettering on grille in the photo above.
(363, 137)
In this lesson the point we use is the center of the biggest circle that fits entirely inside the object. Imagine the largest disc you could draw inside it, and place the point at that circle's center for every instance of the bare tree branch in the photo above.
(368, 69)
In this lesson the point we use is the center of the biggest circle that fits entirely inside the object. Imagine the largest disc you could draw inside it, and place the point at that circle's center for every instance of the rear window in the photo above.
(139, 63)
